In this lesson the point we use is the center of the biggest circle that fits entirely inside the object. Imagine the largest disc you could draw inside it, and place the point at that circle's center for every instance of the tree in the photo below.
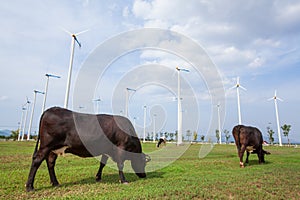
(171, 136)
(270, 133)
(227, 135)
(286, 130)
(195, 136)
(218, 135)
(188, 134)
(202, 138)
(14, 135)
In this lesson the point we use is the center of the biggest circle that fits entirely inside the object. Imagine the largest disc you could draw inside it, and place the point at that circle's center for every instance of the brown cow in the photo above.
(85, 135)
(248, 139)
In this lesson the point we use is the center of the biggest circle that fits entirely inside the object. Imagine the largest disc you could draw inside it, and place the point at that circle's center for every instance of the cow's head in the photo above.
(138, 164)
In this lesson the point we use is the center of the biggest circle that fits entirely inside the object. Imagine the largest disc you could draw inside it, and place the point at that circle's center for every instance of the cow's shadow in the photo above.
(106, 179)
(254, 162)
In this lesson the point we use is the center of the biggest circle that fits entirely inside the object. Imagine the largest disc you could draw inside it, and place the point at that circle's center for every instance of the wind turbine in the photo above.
(237, 86)
(127, 99)
(179, 110)
(32, 112)
(219, 123)
(21, 122)
(74, 38)
(97, 101)
(154, 128)
(26, 115)
(46, 89)
(145, 113)
(277, 116)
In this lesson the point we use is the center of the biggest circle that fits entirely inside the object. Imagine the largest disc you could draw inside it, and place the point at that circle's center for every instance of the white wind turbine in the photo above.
(32, 112)
(127, 99)
(74, 38)
(22, 121)
(219, 123)
(238, 86)
(179, 109)
(25, 120)
(277, 116)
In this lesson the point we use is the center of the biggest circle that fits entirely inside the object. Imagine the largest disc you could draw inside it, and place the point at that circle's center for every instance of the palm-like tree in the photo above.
(227, 136)
(286, 130)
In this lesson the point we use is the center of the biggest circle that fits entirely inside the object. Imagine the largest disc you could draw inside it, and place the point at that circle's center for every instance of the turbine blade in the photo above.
(75, 38)
(270, 99)
(233, 87)
(65, 30)
(81, 32)
(242, 87)
(279, 99)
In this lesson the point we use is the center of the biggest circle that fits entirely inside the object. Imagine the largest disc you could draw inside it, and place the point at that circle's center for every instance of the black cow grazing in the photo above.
(85, 135)
(248, 139)
(161, 140)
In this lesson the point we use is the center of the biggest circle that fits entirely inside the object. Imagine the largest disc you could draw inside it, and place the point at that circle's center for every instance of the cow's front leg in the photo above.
(102, 165)
(51, 159)
(121, 174)
(241, 154)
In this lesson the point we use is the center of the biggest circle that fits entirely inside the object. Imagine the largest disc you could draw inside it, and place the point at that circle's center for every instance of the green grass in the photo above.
(217, 176)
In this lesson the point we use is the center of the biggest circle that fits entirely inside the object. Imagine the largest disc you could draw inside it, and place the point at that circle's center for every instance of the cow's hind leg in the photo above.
(247, 158)
(102, 165)
(37, 159)
(261, 157)
(51, 159)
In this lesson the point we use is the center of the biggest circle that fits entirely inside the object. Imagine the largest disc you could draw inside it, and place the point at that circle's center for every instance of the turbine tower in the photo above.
(277, 116)
(97, 101)
(145, 113)
(219, 123)
(26, 116)
(21, 122)
(32, 112)
(46, 89)
(179, 109)
(74, 38)
(127, 100)
(238, 86)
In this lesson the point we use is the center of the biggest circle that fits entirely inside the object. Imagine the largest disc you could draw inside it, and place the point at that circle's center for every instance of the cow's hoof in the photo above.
(124, 182)
(98, 180)
(29, 189)
(242, 165)
(55, 184)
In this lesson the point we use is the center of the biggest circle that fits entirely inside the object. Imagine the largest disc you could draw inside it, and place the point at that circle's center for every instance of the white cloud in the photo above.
(3, 98)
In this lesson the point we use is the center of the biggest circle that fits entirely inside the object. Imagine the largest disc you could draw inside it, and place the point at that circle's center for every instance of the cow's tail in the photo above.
(38, 136)
(237, 129)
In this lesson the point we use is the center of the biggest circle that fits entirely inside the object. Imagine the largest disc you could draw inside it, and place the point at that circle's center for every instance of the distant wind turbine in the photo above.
(32, 112)
(21, 122)
(277, 116)
(127, 99)
(219, 123)
(145, 113)
(74, 38)
(46, 89)
(179, 109)
(97, 101)
(26, 115)
(237, 86)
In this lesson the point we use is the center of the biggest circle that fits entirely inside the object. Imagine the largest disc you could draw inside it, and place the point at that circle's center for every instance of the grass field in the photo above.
(217, 176)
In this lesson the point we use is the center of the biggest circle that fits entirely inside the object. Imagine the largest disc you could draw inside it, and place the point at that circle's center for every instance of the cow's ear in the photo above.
(147, 158)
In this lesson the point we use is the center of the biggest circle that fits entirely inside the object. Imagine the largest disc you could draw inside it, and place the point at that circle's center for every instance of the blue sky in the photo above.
(257, 41)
